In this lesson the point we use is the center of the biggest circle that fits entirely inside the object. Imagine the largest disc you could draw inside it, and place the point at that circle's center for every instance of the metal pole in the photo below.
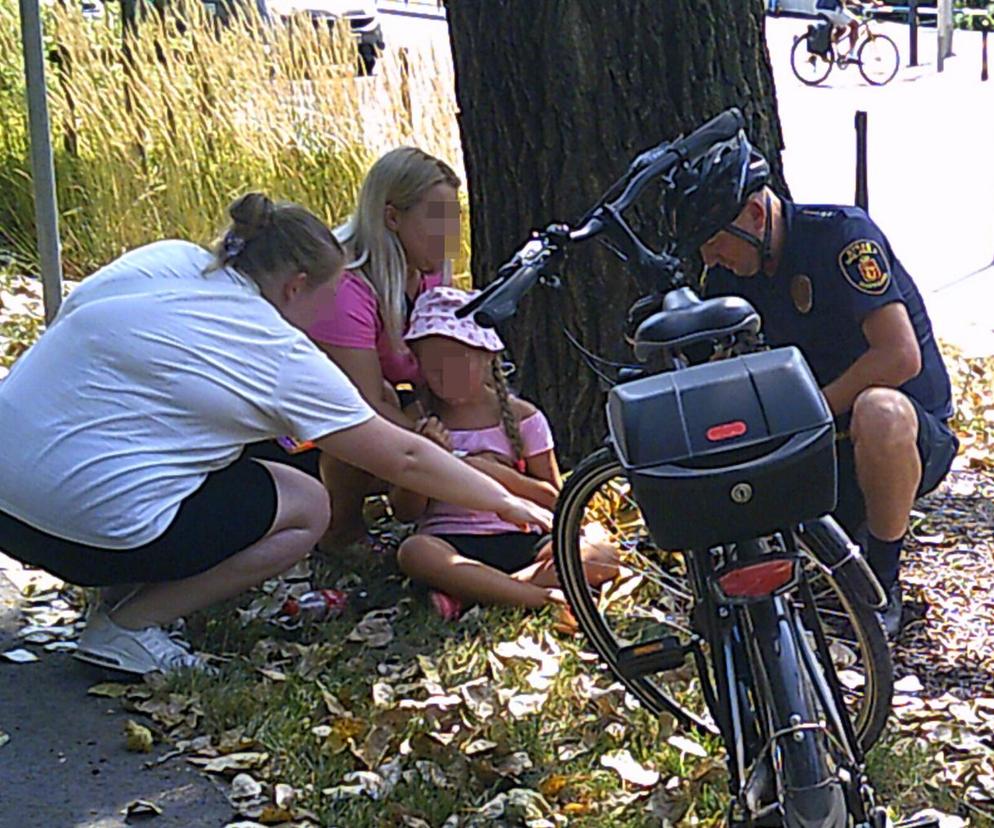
(983, 46)
(944, 32)
(913, 31)
(42, 168)
(947, 11)
(862, 194)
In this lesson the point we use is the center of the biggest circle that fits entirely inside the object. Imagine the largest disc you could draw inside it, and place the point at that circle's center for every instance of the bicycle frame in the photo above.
(776, 702)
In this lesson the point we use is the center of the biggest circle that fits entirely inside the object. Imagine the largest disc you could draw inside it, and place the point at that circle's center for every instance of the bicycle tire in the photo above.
(877, 666)
(862, 641)
(593, 472)
(809, 68)
(810, 794)
(881, 52)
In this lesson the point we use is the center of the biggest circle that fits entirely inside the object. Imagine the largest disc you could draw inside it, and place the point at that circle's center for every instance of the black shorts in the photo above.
(232, 509)
(305, 461)
(508, 551)
(937, 447)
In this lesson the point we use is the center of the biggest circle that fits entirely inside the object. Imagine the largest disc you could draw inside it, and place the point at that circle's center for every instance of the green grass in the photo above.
(280, 715)
(905, 770)
(205, 115)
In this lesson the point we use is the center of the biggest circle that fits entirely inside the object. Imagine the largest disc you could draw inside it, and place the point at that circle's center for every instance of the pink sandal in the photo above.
(445, 605)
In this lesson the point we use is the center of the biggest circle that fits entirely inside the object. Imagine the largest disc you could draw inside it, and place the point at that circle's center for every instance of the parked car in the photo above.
(92, 9)
(361, 16)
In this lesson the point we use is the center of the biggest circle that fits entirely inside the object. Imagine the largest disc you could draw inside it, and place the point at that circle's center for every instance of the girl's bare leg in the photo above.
(438, 564)
(600, 564)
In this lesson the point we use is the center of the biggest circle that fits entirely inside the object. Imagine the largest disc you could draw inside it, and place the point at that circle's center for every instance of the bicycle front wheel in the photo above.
(810, 69)
(646, 608)
(878, 59)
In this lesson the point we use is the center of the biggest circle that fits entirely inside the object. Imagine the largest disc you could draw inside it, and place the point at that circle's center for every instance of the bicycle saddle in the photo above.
(686, 319)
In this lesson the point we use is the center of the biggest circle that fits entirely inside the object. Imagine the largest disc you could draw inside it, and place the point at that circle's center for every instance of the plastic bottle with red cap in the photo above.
(316, 605)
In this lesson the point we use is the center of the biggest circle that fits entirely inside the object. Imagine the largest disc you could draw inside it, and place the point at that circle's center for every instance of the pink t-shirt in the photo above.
(353, 320)
(444, 518)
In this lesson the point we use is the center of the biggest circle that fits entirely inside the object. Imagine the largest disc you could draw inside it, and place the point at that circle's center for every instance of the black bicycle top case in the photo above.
(727, 450)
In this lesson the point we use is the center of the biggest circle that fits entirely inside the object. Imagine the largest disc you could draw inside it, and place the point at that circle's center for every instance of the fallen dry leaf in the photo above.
(686, 745)
(908, 684)
(232, 762)
(141, 809)
(284, 795)
(138, 738)
(374, 630)
(19, 656)
(476, 746)
(526, 704)
(622, 762)
(108, 690)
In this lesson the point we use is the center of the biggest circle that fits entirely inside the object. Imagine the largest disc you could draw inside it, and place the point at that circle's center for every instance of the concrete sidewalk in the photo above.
(931, 183)
(62, 756)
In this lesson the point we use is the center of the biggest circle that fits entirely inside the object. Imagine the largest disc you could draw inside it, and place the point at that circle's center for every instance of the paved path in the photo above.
(931, 183)
(65, 765)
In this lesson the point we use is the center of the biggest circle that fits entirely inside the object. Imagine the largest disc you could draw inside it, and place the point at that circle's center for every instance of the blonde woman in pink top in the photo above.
(400, 242)
(465, 554)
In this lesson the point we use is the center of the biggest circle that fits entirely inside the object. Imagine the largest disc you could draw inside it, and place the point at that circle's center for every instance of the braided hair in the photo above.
(507, 419)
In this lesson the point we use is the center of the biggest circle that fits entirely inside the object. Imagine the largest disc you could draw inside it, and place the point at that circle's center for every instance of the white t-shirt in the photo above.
(154, 374)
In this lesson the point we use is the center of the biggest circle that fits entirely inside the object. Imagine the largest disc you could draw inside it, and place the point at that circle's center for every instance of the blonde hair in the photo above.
(402, 178)
(269, 241)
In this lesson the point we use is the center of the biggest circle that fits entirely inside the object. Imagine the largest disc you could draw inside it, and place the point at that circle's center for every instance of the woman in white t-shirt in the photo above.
(123, 431)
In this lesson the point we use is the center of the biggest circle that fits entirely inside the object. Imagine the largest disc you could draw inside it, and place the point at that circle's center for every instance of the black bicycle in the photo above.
(742, 608)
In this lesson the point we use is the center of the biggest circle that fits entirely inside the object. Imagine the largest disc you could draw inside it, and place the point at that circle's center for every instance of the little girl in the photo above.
(475, 556)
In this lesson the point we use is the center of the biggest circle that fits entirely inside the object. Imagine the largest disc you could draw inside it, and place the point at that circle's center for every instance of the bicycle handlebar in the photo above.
(660, 159)
(499, 300)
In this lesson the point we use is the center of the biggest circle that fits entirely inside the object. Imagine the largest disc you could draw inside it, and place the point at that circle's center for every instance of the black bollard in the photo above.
(913, 31)
(862, 194)
(983, 47)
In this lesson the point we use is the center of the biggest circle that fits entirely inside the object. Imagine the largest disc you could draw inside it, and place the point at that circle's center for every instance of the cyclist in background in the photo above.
(838, 14)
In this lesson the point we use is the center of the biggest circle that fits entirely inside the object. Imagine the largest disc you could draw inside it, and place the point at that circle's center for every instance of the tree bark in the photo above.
(555, 98)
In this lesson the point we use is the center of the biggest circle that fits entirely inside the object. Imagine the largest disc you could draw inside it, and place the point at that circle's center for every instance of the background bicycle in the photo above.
(819, 49)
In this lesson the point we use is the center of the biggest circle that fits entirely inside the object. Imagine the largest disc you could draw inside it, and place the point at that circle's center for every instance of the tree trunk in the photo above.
(556, 97)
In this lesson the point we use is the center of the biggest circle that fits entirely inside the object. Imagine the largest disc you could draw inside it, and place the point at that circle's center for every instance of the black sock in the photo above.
(884, 558)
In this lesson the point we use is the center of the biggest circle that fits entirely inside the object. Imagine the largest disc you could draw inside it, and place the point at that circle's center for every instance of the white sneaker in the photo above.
(143, 651)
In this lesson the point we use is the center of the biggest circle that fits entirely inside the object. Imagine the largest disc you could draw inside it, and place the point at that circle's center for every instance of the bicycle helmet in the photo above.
(711, 191)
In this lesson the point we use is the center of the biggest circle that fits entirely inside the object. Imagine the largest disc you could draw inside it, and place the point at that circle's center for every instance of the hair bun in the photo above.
(250, 215)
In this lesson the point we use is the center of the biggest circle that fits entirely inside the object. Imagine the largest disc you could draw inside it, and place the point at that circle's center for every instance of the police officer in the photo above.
(824, 278)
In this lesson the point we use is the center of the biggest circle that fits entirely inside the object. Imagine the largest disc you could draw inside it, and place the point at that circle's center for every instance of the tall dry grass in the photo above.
(157, 146)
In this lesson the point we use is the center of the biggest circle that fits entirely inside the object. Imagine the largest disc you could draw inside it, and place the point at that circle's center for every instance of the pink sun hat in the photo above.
(434, 314)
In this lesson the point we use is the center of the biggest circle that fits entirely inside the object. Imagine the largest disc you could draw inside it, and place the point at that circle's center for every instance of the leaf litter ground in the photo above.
(388, 716)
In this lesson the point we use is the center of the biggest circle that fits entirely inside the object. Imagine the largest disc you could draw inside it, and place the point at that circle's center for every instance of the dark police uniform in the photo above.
(837, 267)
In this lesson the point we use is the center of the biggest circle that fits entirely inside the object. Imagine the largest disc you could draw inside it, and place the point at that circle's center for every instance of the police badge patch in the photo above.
(802, 293)
(865, 266)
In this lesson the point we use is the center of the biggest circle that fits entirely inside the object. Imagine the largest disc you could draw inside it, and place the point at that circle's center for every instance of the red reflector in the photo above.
(726, 431)
(757, 580)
